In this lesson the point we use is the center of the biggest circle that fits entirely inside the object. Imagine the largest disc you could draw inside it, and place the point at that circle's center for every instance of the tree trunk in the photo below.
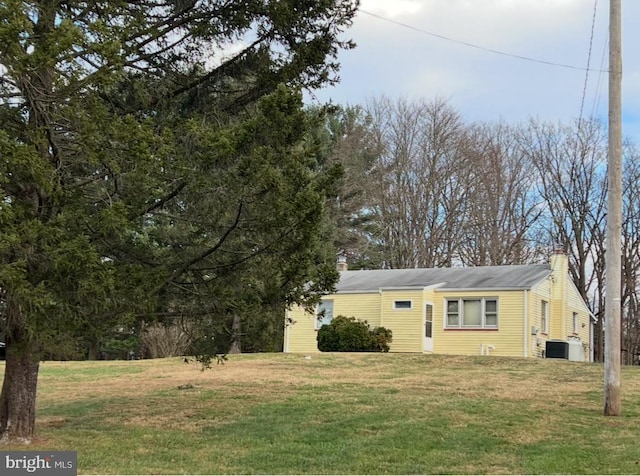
(236, 344)
(93, 349)
(598, 341)
(18, 397)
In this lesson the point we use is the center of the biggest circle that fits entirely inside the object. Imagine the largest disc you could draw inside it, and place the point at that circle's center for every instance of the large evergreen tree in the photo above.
(152, 163)
(345, 137)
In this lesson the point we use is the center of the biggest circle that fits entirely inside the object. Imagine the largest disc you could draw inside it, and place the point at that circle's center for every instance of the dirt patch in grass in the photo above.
(51, 422)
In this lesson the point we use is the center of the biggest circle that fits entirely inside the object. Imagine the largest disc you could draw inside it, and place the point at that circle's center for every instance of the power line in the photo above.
(586, 75)
(472, 45)
(596, 101)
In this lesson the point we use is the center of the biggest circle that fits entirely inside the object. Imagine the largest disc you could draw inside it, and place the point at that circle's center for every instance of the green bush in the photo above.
(347, 334)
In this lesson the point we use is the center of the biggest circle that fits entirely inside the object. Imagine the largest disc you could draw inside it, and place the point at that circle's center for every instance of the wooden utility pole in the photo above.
(614, 217)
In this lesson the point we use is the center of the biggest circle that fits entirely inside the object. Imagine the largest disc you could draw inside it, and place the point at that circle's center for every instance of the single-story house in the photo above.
(485, 310)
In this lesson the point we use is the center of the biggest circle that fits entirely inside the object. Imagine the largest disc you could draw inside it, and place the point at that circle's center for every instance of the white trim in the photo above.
(542, 280)
(287, 331)
(483, 290)
(368, 291)
(592, 328)
(526, 324)
(316, 324)
(424, 324)
(544, 326)
(584, 304)
(411, 288)
(444, 313)
(395, 308)
(483, 312)
(390, 288)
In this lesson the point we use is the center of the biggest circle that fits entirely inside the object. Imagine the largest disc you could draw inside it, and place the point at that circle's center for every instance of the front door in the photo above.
(428, 328)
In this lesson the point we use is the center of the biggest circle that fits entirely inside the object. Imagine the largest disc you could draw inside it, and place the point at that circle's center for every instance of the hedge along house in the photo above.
(496, 310)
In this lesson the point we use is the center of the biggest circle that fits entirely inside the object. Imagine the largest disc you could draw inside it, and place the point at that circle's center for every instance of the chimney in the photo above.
(559, 262)
(559, 283)
(341, 265)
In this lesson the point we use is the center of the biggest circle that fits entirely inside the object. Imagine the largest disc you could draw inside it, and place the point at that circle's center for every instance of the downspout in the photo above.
(591, 339)
(526, 325)
(287, 324)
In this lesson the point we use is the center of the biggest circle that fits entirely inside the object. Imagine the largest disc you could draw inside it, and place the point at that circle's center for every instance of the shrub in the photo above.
(381, 339)
(166, 340)
(347, 334)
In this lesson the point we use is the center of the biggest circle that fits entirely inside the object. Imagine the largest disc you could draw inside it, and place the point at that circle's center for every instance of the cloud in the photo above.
(392, 9)
(395, 60)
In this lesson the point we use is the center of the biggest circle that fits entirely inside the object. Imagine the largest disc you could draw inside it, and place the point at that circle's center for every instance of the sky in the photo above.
(393, 60)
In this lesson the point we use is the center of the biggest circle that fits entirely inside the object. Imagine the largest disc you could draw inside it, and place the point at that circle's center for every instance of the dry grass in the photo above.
(257, 380)
(337, 413)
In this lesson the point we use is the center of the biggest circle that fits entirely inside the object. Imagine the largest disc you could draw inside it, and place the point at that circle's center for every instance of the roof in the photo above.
(517, 277)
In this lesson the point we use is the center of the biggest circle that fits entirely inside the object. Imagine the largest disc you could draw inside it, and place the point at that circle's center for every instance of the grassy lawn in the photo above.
(338, 414)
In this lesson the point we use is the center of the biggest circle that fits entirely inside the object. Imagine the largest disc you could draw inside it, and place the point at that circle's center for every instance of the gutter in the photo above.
(526, 324)
(390, 288)
(412, 288)
(287, 326)
(484, 290)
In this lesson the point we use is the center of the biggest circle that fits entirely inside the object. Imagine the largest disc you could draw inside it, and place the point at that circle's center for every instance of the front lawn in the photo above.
(338, 414)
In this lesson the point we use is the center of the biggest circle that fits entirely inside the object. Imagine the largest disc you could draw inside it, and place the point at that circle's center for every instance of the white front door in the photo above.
(428, 328)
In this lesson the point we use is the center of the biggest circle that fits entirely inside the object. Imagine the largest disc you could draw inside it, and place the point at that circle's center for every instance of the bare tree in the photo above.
(571, 163)
(420, 189)
(503, 205)
(631, 257)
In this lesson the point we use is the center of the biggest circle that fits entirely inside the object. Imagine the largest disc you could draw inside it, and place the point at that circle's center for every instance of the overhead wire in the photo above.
(586, 75)
(596, 99)
(479, 47)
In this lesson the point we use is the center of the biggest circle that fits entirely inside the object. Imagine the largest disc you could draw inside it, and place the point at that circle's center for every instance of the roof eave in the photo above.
(498, 289)
(392, 288)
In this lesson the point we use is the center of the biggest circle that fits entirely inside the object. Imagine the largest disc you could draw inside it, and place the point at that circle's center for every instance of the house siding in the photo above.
(564, 300)
(302, 335)
(575, 304)
(542, 292)
(364, 307)
(407, 325)
(508, 339)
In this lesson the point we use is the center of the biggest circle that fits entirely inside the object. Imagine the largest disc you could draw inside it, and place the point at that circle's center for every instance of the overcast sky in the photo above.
(395, 60)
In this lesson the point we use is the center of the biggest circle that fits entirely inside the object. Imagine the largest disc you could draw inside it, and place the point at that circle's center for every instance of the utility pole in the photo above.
(614, 217)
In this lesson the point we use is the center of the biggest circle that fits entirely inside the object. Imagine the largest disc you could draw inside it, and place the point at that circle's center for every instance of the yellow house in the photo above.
(519, 311)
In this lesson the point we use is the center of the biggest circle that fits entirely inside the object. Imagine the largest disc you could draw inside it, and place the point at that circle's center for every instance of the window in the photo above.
(575, 323)
(544, 317)
(428, 321)
(402, 304)
(324, 314)
(472, 313)
(491, 313)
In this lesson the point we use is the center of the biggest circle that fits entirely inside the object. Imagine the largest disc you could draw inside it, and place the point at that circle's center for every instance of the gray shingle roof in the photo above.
(481, 278)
